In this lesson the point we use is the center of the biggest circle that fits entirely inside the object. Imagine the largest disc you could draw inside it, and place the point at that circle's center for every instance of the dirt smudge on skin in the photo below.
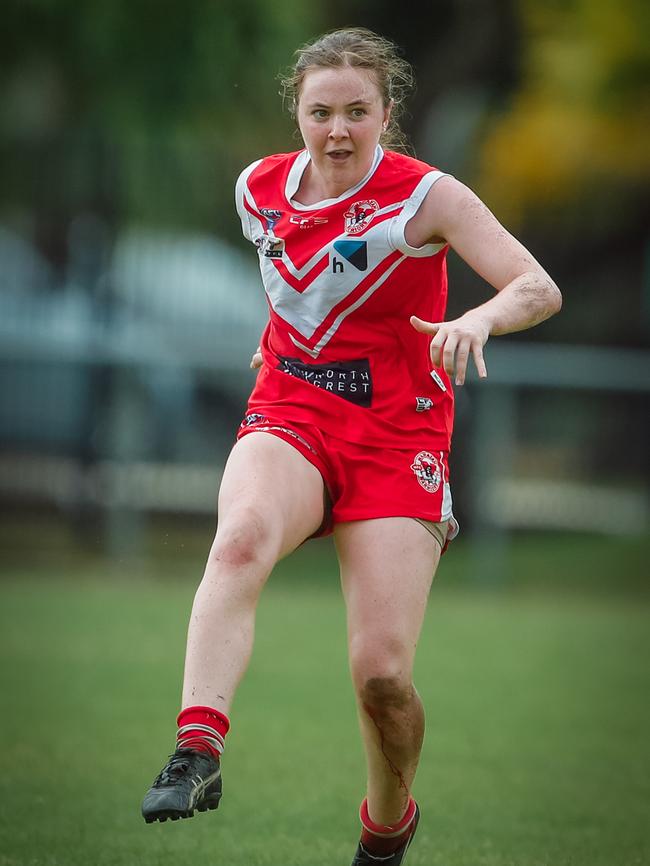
(395, 770)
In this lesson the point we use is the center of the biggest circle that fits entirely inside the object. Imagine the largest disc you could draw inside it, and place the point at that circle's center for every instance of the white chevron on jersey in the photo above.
(307, 310)
(333, 328)
(306, 297)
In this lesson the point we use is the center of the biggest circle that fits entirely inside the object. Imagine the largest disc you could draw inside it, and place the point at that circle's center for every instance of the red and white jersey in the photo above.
(341, 283)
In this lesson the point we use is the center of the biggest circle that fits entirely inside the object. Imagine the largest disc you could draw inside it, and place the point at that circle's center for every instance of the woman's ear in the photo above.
(387, 112)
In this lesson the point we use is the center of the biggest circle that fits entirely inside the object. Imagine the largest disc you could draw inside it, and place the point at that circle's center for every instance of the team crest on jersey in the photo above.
(427, 471)
(272, 217)
(359, 216)
(270, 247)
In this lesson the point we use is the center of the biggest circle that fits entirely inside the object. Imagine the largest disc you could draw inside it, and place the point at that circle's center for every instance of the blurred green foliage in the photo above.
(576, 134)
(142, 111)
(128, 67)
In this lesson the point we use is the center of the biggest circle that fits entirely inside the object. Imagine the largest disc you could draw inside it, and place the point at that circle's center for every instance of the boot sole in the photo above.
(207, 805)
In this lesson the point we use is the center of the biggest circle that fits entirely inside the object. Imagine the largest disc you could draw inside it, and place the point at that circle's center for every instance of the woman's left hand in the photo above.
(454, 341)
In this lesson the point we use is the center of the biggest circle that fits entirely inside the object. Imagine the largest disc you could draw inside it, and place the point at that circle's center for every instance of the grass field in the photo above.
(537, 696)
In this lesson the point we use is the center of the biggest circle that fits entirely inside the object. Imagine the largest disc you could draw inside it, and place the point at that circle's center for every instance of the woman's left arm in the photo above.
(526, 294)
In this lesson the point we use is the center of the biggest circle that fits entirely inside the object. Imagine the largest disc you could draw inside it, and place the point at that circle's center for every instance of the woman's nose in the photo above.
(339, 127)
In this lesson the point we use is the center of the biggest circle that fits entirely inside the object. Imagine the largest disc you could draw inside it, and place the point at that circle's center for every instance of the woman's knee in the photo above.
(386, 693)
(382, 675)
(245, 538)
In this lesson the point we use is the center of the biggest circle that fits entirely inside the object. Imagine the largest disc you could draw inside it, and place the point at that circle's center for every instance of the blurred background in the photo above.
(129, 309)
(130, 304)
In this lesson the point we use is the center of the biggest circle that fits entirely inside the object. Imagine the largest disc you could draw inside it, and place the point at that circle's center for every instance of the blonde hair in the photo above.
(361, 48)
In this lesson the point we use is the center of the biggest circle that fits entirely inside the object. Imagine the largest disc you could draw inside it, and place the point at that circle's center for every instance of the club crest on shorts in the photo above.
(358, 217)
(427, 471)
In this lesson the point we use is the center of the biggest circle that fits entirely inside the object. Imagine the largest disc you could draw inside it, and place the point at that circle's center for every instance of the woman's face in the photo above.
(341, 116)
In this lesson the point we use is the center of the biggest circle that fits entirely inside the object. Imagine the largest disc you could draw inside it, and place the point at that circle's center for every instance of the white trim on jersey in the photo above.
(295, 176)
(446, 511)
(411, 205)
(241, 189)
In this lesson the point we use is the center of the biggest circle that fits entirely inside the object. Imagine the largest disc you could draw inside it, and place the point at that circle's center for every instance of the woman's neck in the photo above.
(317, 185)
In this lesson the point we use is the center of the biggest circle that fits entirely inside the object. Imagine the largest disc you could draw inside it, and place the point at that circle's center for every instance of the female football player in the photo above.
(349, 424)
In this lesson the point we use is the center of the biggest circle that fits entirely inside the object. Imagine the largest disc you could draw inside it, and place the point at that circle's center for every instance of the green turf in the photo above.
(537, 749)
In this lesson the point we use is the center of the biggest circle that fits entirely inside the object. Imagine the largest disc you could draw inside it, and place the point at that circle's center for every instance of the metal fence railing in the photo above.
(125, 399)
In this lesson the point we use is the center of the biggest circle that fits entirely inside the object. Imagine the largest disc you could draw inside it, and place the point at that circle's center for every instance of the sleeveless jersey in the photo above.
(341, 283)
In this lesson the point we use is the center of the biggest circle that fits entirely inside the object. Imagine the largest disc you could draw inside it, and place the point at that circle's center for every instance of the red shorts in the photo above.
(365, 483)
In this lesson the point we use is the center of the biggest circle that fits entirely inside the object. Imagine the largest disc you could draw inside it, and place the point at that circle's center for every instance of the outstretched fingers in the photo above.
(479, 360)
(453, 343)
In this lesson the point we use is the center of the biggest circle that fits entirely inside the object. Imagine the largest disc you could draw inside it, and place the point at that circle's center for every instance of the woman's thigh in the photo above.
(270, 488)
(387, 566)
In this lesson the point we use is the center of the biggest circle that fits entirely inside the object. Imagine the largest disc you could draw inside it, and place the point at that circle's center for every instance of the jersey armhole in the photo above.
(411, 206)
(240, 192)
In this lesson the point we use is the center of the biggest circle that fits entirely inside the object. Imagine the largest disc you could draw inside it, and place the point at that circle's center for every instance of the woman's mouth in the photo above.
(338, 155)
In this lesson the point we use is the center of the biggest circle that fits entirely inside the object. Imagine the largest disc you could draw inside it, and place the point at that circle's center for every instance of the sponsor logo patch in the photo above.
(307, 222)
(427, 471)
(270, 247)
(356, 252)
(423, 404)
(359, 216)
(437, 378)
(350, 380)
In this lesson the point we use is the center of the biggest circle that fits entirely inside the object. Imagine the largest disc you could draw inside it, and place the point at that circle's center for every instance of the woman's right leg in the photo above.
(271, 499)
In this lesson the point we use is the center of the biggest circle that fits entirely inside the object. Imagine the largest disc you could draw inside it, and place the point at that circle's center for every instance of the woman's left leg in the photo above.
(387, 566)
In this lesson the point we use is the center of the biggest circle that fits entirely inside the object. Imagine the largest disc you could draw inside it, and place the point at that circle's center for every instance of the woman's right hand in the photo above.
(256, 360)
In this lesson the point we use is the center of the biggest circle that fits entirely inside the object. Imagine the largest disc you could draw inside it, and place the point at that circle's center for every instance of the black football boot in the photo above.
(189, 780)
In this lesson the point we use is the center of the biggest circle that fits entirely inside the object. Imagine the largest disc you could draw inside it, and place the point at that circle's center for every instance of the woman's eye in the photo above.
(358, 112)
(320, 114)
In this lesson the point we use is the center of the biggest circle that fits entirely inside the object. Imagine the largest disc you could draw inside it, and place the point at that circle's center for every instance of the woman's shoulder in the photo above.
(272, 162)
(409, 164)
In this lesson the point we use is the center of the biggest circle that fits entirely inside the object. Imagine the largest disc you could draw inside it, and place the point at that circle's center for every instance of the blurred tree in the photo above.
(135, 111)
(466, 57)
(568, 161)
(143, 110)
(579, 124)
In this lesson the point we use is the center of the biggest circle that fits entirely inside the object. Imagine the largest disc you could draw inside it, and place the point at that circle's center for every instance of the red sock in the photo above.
(202, 729)
(383, 839)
